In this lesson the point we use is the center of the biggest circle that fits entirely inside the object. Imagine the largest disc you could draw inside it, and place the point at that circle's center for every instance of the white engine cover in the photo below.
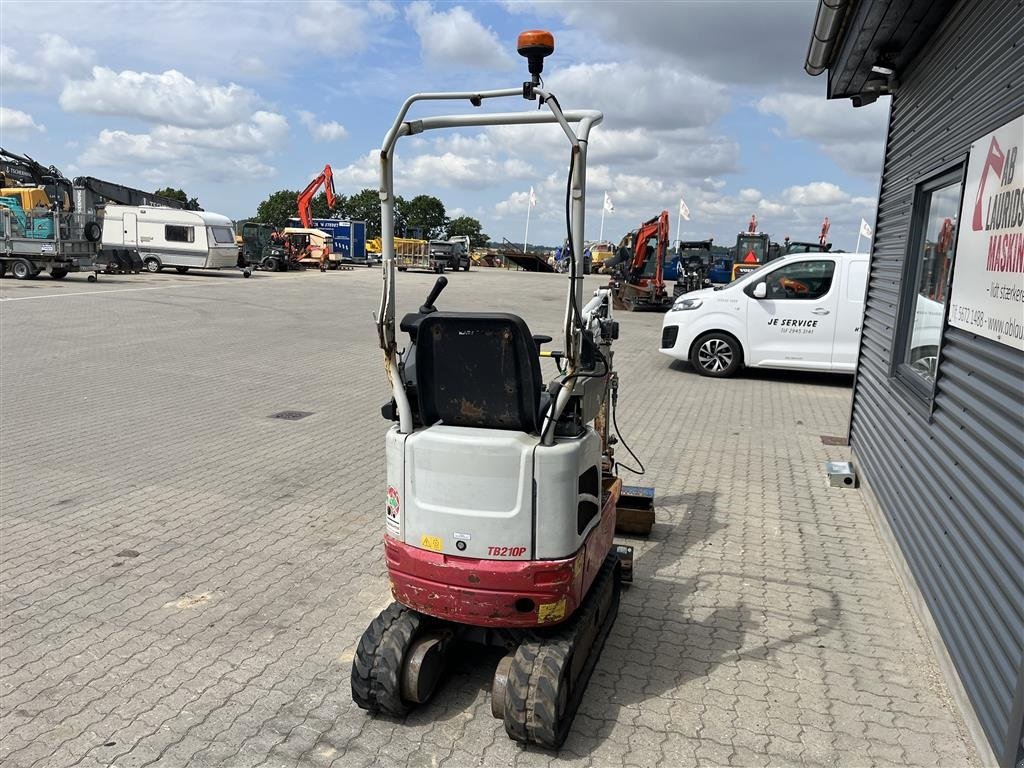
(470, 492)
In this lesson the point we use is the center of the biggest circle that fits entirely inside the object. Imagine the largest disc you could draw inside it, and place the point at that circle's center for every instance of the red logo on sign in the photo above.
(993, 162)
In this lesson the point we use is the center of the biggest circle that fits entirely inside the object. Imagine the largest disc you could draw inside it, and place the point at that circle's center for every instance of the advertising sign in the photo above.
(988, 272)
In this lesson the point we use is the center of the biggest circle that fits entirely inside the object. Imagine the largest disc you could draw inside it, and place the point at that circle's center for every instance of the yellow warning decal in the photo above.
(551, 611)
(432, 543)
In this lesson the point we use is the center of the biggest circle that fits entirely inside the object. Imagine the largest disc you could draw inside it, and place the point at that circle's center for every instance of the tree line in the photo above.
(423, 216)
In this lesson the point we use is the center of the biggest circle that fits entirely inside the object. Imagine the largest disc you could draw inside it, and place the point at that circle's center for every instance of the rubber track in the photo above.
(536, 675)
(377, 665)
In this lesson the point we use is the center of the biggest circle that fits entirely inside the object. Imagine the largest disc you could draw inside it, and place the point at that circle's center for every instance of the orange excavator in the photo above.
(640, 283)
(326, 178)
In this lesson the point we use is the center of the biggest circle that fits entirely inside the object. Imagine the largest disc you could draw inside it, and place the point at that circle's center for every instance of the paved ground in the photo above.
(184, 579)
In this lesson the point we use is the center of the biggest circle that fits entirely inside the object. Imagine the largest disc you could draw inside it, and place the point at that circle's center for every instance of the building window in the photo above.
(806, 280)
(178, 234)
(926, 281)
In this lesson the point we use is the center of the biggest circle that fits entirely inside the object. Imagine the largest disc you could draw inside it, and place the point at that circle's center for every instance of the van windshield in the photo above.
(745, 275)
(222, 235)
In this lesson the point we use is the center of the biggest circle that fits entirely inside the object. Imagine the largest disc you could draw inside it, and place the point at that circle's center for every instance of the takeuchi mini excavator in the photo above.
(499, 510)
(640, 283)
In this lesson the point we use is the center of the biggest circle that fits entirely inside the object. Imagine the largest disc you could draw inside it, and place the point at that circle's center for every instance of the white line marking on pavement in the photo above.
(100, 292)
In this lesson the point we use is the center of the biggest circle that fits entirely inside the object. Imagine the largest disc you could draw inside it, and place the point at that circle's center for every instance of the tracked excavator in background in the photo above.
(501, 492)
(640, 284)
(305, 200)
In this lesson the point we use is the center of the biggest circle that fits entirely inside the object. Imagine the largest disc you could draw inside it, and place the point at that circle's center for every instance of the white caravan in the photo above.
(167, 237)
(802, 311)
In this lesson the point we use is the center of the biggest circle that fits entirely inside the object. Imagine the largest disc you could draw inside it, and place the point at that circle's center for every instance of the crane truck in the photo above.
(40, 230)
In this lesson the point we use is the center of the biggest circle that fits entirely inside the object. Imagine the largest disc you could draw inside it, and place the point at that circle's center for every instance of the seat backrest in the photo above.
(478, 370)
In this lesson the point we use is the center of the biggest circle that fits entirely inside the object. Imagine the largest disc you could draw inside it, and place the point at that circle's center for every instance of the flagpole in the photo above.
(857, 249)
(679, 225)
(600, 237)
(527, 235)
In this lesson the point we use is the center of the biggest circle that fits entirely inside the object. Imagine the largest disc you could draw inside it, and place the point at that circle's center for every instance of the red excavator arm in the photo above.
(326, 177)
(647, 268)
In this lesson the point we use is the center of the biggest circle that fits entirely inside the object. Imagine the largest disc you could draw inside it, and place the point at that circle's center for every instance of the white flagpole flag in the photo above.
(529, 207)
(606, 207)
(864, 231)
(684, 210)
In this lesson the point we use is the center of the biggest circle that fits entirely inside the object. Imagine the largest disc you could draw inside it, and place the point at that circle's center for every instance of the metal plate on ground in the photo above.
(834, 440)
(291, 415)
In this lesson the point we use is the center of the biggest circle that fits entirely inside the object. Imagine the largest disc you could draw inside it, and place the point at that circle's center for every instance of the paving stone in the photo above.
(188, 578)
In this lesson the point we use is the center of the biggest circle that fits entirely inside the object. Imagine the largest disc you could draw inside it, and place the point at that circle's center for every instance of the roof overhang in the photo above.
(866, 44)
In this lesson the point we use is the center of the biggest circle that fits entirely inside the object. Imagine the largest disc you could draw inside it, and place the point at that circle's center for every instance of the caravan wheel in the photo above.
(152, 264)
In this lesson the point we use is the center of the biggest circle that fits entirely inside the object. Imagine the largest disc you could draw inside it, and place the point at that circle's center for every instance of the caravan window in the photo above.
(174, 233)
(222, 235)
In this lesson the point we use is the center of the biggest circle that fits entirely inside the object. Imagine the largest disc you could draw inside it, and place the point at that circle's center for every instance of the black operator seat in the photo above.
(478, 370)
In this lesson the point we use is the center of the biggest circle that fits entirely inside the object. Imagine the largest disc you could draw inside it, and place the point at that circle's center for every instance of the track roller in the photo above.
(398, 661)
(537, 690)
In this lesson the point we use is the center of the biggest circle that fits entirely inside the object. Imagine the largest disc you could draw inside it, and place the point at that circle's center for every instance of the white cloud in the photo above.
(382, 9)
(230, 153)
(60, 56)
(644, 93)
(51, 57)
(815, 193)
(262, 132)
(454, 38)
(742, 42)
(337, 28)
(853, 137)
(168, 98)
(15, 73)
(18, 123)
(322, 130)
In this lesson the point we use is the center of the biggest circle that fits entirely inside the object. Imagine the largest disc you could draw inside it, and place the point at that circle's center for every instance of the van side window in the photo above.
(805, 280)
(858, 281)
(175, 233)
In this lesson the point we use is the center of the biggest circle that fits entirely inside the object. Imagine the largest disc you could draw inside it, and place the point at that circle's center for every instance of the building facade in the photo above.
(937, 423)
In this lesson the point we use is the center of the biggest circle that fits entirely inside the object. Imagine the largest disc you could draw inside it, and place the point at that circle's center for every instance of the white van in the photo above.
(167, 237)
(802, 311)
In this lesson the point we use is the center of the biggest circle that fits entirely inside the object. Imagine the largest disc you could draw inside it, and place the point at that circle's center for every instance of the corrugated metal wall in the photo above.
(951, 486)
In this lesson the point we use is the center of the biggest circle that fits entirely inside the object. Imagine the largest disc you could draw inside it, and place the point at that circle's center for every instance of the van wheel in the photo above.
(22, 270)
(717, 355)
(179, 270)
(152, 264)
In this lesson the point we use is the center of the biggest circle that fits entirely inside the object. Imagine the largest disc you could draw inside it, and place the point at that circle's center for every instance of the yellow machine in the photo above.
(29, 197)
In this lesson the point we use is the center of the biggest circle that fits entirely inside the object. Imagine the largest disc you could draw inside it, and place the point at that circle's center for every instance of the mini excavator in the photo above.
(500, 506)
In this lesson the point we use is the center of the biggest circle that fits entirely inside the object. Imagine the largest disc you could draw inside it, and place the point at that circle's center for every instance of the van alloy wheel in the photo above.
(715, 355)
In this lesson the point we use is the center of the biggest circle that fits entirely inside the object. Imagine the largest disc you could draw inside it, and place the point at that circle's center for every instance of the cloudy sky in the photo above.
(702, 100)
